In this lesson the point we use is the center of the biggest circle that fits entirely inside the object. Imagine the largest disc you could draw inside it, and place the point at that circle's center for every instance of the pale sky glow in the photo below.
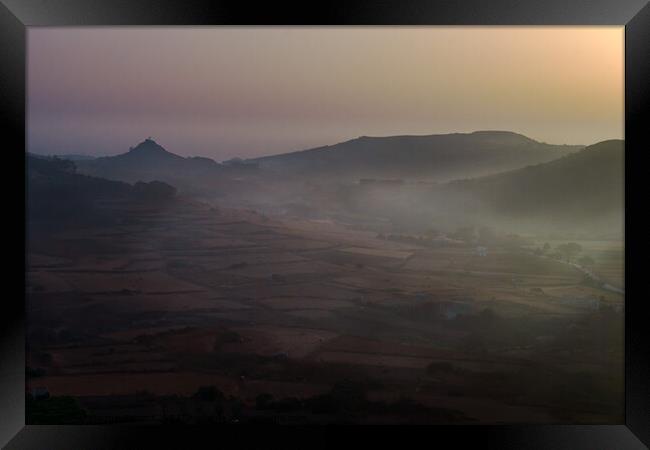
(250, 91)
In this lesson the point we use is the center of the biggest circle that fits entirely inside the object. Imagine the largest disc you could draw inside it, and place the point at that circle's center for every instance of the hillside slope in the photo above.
(434, 157)
(583, 189)
(57, 193)
(590, 180)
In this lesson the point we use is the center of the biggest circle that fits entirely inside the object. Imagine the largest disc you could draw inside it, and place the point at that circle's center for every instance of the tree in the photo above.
(546, 247)
(569, 250)
(586, 261)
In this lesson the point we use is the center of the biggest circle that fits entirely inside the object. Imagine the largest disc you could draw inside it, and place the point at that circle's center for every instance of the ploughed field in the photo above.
(185, 296)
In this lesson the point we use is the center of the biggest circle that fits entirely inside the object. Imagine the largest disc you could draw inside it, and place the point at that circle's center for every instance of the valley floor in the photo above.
(126, 317)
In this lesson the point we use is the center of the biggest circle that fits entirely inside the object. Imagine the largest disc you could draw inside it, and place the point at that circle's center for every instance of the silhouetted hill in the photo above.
(57, 193)
(435, 157)
(56, 174)
(147, 151)
(580, 187)
(149, 161)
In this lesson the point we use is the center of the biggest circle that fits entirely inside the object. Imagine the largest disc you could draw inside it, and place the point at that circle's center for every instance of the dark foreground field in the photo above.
(181, 312)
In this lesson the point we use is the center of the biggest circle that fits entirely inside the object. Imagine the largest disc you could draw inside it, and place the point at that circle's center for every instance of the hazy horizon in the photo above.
(223, 92)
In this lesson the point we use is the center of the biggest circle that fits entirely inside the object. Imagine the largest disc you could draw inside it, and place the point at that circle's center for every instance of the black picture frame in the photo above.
(17, 15)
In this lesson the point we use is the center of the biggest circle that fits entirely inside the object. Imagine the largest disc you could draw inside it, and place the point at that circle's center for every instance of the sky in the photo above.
(222, 92)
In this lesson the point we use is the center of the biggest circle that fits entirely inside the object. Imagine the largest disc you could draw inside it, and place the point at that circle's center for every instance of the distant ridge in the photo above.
(440, 157)
(504, 135)
(437, 158)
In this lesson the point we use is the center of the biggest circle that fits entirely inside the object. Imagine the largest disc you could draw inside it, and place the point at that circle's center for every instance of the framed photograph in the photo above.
(384, 218)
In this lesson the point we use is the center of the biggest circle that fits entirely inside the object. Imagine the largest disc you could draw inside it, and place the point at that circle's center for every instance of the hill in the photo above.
(57, 193)
(435, 157)
(579, 188)
(149, 161)
(431, 158)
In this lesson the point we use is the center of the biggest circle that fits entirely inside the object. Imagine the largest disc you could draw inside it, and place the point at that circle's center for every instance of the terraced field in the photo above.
(173, 300)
